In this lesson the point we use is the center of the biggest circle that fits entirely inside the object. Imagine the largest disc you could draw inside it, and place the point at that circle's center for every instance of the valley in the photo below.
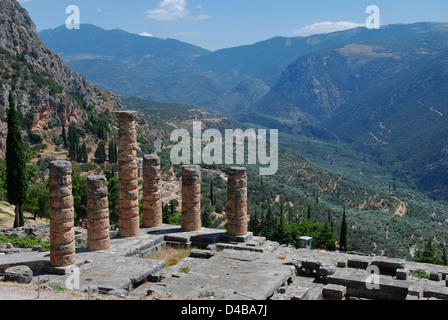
(360, 115)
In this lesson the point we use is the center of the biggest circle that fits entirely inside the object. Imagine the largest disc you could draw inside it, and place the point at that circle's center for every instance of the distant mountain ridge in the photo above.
(168, 70)
(352, 86)
(385, 97)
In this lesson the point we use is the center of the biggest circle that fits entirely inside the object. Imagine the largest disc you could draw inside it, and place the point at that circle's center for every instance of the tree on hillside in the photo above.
(79, 191)
(64, 135)
(73, 141)
(113, 153)
(428, 255)
(206, 218)
(212, 197)
(112, 187)
(100, 152)
(327, 237)
(343, 239)
(16, 173)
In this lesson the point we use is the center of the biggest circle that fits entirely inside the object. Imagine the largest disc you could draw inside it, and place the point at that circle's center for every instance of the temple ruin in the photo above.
(223, 260)
(62, 235)
(151, 195)
(127, 175)
(191, 198)
(97, 213)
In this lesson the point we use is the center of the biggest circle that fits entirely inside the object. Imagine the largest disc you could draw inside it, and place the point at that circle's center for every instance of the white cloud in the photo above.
(326, 27)
(145, 34)
(170, 10)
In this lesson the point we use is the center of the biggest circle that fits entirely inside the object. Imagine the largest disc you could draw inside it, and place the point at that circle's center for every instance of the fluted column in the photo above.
(191, 198)
(237, 218)
(62, 234)
(151, 199)
(128, 223)
(97, 213)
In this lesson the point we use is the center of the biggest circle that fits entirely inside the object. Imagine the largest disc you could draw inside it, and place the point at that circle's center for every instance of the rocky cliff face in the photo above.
(44, 86)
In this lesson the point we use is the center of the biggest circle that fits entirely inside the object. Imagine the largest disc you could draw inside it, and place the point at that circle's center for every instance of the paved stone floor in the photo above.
(248, 268)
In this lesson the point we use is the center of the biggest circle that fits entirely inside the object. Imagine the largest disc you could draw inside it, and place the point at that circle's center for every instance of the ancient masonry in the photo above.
(62, 234)
(237, 218)
(151, 198)
(191, 198)
(62, 211)
(128, 223)
(97, 213)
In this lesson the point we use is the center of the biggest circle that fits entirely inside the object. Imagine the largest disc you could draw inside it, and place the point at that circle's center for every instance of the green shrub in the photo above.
(420, 274)
(25, 242)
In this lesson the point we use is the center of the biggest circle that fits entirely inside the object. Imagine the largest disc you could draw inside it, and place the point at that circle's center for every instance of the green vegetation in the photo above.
(25, 242)
(16, 173)
(420, 274)
(429, 255)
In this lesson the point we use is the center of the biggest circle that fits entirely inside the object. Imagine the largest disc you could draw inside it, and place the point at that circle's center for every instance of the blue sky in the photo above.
(216, 24)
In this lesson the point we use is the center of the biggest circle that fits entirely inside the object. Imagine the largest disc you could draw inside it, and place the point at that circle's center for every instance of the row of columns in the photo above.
(62, 236)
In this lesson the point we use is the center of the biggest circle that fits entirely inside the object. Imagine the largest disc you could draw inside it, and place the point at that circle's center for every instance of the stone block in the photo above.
(334, 291)
(402, 274)
(20, 274)
(202, 254)
(342, 263)
(326, 270)
(435, 276)
(415, 291)
(311, 264)
(388, 265)
(299, 293)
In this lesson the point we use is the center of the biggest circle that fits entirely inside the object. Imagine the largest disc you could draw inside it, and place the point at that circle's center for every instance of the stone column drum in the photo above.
(97, 213)
(62, 234)
(237, 218)
(191, 198)
(128, 223)
(151, 198)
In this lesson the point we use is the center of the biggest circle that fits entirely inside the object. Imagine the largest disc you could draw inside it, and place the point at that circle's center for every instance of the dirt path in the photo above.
(401, 209)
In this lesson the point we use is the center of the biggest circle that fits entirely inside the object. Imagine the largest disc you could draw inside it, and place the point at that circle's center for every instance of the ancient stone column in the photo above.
(191, 198)
(62, 234)
(152, 198)
(97, 213)
(237, 218)
(128, 223)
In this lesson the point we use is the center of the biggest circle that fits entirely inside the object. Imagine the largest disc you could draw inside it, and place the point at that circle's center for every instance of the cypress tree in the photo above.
(309, 212)
(73, 141)
(100, 152)
(444, 259)
(268, 224)
(212, 197)
(64, 136)
(343, 239)
(16, 174)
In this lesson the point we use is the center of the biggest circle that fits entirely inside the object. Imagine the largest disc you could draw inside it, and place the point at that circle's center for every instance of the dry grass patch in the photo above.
(170, 255)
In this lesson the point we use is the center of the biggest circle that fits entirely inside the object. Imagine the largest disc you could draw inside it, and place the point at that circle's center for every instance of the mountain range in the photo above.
(380, 91)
